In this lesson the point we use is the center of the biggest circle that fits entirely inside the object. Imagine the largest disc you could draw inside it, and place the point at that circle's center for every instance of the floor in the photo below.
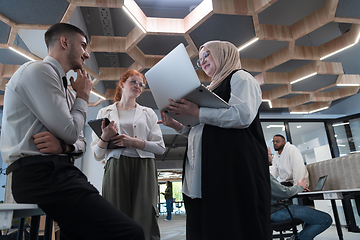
(175, 230)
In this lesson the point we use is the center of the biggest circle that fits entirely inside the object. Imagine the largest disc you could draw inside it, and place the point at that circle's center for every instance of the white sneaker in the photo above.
(166, 219)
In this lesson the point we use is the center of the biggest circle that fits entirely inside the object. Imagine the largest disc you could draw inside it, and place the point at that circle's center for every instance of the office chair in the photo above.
(286, 225)
(178, 205)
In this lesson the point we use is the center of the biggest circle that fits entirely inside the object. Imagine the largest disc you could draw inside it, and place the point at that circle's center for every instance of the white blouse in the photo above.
(245, 100)
(144, 127)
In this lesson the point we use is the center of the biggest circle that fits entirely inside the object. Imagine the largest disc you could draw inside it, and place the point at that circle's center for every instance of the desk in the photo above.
(332, 195)
(8, 211)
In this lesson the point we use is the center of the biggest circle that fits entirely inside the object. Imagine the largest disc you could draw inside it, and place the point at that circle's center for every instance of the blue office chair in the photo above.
(286, 225)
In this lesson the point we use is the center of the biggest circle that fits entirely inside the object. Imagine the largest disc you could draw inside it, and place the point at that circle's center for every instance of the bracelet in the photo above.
(103, 140)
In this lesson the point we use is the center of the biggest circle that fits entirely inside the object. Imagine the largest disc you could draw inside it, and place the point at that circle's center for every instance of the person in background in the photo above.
(42, 134)
(315, 221)
(169, 200)
(226, 150)
(130, 176)
(288, 165)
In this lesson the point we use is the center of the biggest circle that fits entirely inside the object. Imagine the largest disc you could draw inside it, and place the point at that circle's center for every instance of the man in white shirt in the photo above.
(288, 165)
(42, 132)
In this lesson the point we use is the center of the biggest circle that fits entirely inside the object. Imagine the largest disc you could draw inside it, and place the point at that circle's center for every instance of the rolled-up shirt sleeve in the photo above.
(245, 100)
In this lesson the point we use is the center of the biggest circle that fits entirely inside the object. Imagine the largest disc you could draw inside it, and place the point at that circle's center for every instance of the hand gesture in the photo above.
(47, 143)
(82, 86)
(304, 184)
(169, 122)
(109, 131)
(124, 140)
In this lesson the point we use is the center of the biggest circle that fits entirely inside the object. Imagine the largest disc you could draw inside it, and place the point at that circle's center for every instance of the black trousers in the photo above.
(194, 224)
(63, 192)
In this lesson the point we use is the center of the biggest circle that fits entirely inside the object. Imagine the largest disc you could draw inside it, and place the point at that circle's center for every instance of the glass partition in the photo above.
(311, 139)
(347, 135)
(270, 129)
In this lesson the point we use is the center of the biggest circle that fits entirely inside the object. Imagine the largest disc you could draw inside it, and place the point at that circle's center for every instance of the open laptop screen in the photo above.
(320, 184)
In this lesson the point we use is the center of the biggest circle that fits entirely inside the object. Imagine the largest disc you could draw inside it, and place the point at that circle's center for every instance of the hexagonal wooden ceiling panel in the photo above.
(291, 58)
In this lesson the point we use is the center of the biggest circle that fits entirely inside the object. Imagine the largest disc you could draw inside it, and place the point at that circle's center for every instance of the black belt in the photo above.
(24, 161)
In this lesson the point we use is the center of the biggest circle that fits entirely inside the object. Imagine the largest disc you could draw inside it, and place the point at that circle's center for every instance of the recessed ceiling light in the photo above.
(133, 18)
(98, 95)
(22, 54)
(319, 109)
(300, 79)
(248, 44)
(340, 124)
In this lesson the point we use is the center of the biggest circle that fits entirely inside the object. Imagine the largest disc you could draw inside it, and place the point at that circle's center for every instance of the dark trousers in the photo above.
(193, 218)
(63, 192)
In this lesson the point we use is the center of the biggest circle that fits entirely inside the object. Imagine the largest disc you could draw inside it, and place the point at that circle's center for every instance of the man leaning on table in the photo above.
(288, 165)
(42, 132)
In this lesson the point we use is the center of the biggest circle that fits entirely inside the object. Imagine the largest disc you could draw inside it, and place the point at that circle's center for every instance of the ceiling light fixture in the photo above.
(300, 79)
(98, 95)
(340, 50)
(268, 101)
(319, 109)
(298, 126)
(22, 54)
(274, 126)
(340, 124)
(347, 84)
(356, 41)
(248, 44)
(133, 18)
(299, 112)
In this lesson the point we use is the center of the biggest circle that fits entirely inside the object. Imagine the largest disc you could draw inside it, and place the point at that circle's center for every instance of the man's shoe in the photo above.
(166, 219)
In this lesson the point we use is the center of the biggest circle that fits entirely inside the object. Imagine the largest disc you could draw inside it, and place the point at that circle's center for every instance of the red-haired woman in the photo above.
(130, 176)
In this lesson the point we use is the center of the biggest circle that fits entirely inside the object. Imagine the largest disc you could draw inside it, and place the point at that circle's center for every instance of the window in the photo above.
(347, 135)
(270, 129)
(311, 139)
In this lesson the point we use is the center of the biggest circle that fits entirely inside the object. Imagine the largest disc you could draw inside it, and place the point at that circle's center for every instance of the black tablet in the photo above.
(96, 127)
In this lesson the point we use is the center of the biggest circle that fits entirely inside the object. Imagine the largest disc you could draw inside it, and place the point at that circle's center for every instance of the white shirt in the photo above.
(35, 101)
(126, 127)
(245, 100)
(145, 127)
(289, 165)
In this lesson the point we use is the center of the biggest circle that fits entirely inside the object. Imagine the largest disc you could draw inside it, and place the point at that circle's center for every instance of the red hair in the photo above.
(123, 78)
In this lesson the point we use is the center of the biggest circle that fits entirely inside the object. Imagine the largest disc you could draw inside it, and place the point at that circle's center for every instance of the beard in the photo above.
(279, 148)
(73, 56)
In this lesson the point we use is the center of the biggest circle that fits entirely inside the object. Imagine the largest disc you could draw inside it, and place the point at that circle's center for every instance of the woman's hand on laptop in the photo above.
(183, 108)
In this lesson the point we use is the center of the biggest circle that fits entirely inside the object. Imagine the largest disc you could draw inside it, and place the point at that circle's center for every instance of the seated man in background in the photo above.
(288, 165)
(315, 221)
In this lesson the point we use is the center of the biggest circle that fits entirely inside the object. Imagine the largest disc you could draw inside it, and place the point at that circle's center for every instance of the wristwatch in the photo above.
(63, 145)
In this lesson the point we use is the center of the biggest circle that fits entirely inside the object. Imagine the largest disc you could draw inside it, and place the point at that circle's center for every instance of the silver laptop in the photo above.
(174, 77)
